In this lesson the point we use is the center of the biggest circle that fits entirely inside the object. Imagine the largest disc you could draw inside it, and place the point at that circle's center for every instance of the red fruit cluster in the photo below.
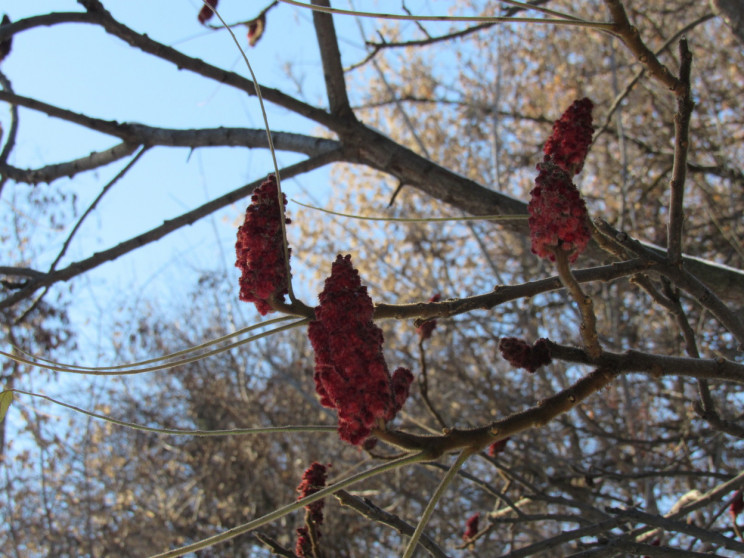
(313, 479)
(497, 447)
(427, 328)
(471, 526)
(260, 250)
(737, 504)
(521, 354)
(572, 134)
(205, 14)
(558, 217)
(351, 375)
(304, 546)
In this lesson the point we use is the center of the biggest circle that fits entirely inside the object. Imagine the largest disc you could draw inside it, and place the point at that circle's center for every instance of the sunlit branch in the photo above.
(610, 365)
(99, 16)
(634, 80)
(477, 438)
(588, 325)
(656, 365)
(49, 173)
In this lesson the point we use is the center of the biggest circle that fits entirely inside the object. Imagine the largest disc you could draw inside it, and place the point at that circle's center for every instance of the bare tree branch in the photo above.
(157, 233)
(333, 71)
(69, 169)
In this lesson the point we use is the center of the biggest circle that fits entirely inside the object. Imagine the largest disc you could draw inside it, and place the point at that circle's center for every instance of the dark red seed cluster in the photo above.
(558, 217)
(471, 526)
(351, 375)
(497, 447)
(304, 546)
(427, 328)
(737, 504)
(521, 354)
(260, 251)
(313, 479)
(205, 14)
(569, 143)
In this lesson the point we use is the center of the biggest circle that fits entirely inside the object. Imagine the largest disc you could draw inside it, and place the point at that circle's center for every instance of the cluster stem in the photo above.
(586, 305)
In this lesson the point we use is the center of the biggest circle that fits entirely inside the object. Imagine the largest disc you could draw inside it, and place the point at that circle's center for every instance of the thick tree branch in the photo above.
(681, 145)
(333, 71)
(141, 134)
(657, 365)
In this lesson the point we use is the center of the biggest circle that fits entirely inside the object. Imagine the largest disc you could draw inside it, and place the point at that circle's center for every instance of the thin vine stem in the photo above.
(179, 431)
(602, 26)
(416, 219)
(431, 506)
(160, 358)
(121, 372)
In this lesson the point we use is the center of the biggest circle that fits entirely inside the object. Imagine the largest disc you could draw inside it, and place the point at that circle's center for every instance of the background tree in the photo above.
(430, 119)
